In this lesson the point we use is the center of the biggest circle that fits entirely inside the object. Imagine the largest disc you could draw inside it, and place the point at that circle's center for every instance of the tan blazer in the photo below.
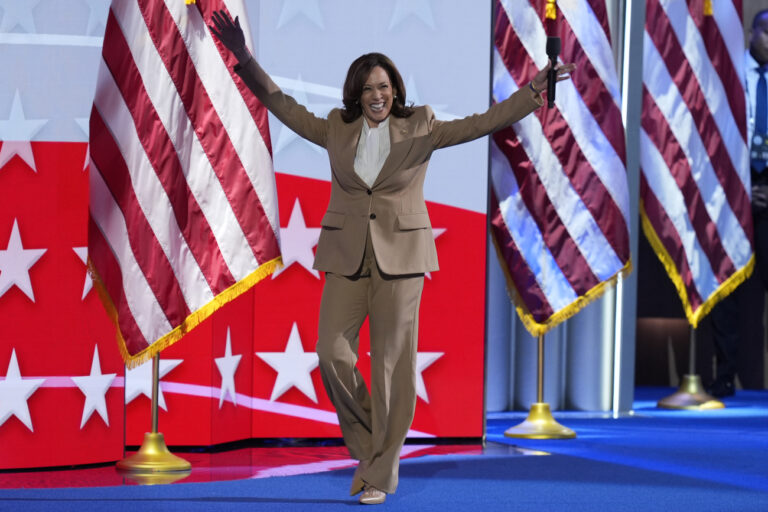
(393, 208)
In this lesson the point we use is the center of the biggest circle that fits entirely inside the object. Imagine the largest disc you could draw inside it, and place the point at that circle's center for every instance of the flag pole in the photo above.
(540, 424)
(154, 463)
(691, 394)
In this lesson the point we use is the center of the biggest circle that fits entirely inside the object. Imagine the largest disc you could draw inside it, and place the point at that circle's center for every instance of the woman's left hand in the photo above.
(539, 82)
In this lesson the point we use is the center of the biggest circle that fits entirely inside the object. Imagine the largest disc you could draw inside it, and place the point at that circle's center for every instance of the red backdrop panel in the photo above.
(54, 336)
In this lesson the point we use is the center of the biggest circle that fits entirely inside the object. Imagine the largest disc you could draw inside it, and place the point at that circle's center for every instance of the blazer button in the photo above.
(373, 216)
(369, 191)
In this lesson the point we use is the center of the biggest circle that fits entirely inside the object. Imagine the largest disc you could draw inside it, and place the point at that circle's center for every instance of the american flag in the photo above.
(183, 207)
(694, 184)
(559, 198)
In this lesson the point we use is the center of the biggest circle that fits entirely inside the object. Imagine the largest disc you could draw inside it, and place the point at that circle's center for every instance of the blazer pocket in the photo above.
(333, 220)
(408, 221)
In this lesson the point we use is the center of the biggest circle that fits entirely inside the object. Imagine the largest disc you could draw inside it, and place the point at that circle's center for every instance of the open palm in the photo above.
(228, 32)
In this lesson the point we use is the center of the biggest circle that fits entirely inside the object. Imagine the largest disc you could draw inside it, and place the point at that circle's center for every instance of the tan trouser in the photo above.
(374, 425)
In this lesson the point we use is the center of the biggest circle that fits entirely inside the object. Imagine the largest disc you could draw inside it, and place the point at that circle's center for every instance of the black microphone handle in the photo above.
(551, 81)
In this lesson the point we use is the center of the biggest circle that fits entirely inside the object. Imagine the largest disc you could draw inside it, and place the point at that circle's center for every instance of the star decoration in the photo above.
(423, 361)
(438, 109)
(14, 393)
(15, 262)
(84, 124)
(436, 232)
(299, 92)
(94, 386)
(16, 132)
(22, 149)
(297, 242)
(82, 253)
(98, 13)
(138, 381)
(294, 8)
(87, 157)
(227, 366)
(293, 367)
(422, 9)
(18, 13)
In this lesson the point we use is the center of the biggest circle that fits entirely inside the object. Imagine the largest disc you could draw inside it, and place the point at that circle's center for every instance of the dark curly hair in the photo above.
(356, 77)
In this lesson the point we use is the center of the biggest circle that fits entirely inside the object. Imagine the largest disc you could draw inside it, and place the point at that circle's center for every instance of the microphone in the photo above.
(553, 50)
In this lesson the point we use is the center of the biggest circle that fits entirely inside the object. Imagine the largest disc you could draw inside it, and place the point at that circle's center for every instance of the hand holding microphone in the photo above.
(552, 74)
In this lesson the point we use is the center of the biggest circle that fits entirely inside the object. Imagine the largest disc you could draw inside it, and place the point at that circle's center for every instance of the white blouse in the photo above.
(372, 151)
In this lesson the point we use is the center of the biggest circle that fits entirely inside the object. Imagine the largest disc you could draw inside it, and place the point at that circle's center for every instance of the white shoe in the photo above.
(372, 496)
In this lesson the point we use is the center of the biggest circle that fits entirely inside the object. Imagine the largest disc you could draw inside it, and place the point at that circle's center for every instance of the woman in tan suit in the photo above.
(376, 241)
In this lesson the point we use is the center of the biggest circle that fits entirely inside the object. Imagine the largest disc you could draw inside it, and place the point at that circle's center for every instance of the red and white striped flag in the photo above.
(559, 198)
(694, 184)
(183, 207)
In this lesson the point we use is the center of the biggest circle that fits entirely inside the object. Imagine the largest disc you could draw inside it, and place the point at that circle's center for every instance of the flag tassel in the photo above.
(550, 11)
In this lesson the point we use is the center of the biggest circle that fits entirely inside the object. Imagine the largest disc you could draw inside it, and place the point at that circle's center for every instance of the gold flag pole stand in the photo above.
(691, 394)
(540, 424)
(154, 463)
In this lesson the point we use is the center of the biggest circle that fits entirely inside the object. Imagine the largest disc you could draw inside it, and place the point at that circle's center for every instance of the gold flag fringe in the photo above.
(550, 11)
(189, 323)
(708, 8)
(535, 328)
(725, 288)
(189, 2)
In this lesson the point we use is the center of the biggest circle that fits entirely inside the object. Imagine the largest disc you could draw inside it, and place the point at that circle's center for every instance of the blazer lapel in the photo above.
(400, 143)
(348, 149)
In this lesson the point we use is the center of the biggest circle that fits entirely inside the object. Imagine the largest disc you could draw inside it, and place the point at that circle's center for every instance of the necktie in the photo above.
(761, 115)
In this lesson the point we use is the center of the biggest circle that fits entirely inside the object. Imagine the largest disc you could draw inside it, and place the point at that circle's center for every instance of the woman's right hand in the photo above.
(230, 34)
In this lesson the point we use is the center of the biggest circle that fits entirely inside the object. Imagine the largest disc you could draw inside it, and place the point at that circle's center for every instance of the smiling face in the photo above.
(377, 96)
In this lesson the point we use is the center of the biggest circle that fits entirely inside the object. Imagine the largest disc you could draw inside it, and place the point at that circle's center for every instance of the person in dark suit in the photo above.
(726, 320)
(376, 241)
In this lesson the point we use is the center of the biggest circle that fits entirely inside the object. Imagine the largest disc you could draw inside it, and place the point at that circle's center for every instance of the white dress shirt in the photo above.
(372, 151)
(751, 66)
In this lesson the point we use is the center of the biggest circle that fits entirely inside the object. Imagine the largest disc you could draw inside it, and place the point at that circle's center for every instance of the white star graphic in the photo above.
(14, 393)
(299, 92)
(82, 253)
(293, 367)
(15, 262)
(227, 366)
(414, 97)
(138, 381)
(23, 149)
(15, 13)
(94, 386)
(294, 8)
(436, 232)
(297, 242)
(422, 9)
(16, 132)
(96, 18)
(423, 361)
(87, 158)
(84, 124)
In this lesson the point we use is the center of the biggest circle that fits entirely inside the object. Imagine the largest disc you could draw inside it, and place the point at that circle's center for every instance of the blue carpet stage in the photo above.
(650, 460)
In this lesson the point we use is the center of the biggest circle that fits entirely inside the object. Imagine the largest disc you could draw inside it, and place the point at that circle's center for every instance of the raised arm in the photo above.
(521, 103)
(284, 107)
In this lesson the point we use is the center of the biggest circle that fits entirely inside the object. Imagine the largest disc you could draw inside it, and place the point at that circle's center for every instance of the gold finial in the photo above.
(708, 8)
(551, 10)
(189, 2)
